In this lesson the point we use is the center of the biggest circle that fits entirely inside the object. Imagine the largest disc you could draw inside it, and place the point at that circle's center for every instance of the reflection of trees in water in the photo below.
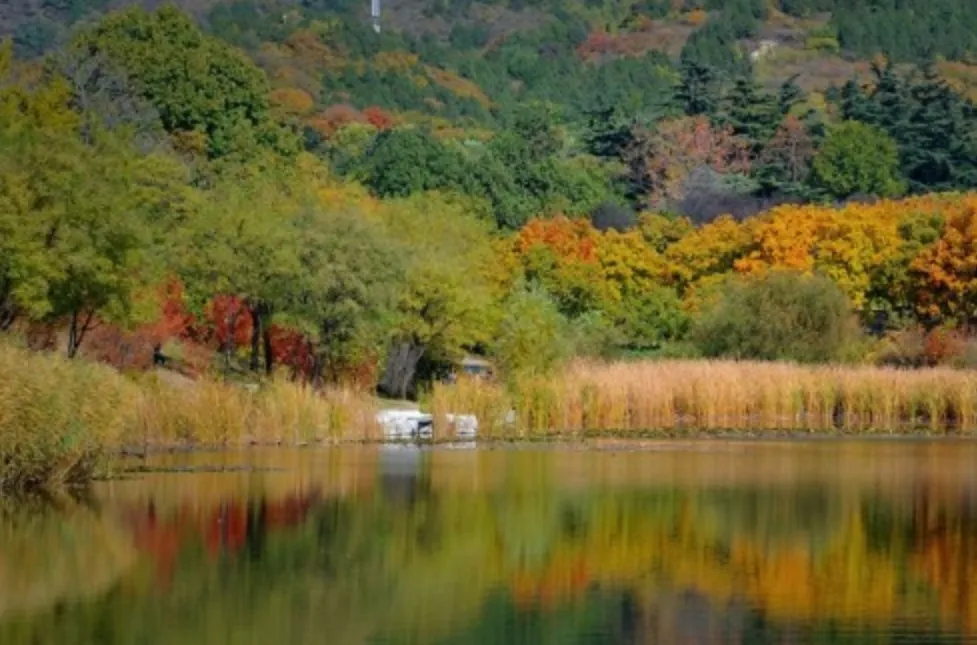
(40, 562)
(411, 563)
(775, 518)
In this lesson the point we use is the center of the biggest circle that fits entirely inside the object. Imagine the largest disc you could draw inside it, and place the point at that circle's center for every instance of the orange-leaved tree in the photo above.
(945, 274)
(864, 248)
(615, 274)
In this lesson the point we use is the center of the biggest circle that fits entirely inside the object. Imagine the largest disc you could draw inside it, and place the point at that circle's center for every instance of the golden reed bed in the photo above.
(723, 396)
(62, 421)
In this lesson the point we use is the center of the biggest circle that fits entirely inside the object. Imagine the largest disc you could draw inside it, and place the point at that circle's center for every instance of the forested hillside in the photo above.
(321, 194)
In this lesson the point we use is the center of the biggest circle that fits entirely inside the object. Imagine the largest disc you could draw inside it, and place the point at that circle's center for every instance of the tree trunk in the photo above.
(269, 351)
(8, 311)
(77, 330)
(401, 368)
(255, 338)
(228, 345)
(8, 316)
(318, 371)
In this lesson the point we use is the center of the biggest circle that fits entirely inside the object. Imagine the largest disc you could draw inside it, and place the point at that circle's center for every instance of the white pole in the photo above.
(375, 14)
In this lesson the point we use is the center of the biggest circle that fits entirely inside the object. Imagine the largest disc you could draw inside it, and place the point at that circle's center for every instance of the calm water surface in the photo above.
(673, 543)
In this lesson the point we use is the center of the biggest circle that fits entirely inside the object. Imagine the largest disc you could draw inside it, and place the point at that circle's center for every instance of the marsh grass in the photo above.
(213, 413)
(688, 396)
(63, 422)
(57, 419)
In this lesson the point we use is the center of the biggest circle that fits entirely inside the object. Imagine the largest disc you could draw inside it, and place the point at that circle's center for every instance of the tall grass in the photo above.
(280, 412)
(62, 421)
(679, 396)
(56, 418)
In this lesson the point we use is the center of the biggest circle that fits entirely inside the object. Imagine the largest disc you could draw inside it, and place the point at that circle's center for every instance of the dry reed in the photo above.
(62, 421)
(56, 418)
(208, 412)
(681, 396)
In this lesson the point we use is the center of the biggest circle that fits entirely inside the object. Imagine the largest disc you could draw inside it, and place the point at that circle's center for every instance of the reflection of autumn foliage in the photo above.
(853, 558)
(564, 578)
(223, 529)
(846, 579)
(945, 556)
(160, 540)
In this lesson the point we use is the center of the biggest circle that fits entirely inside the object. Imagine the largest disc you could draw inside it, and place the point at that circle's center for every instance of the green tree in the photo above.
(411, 160)
(931, 123)
(533, 336)
(351, 273)
(750, 112)
(195, 81)
(242, 241)
(857, 159)
(446, 304)
(780, 316)
(79, 220)
(699, 89)
(651, 318)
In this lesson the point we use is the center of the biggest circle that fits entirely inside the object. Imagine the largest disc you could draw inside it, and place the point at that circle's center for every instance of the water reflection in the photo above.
(757, 544)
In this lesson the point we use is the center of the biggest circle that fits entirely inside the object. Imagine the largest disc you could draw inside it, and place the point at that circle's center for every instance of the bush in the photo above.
(917, 348)
(533, 335)
(652, 319)
(780, 316)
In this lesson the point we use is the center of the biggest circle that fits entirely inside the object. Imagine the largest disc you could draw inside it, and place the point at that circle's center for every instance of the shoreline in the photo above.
(585, 440)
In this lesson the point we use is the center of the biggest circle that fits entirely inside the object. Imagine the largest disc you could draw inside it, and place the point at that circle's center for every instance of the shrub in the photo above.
(533, 335)
(780, 316)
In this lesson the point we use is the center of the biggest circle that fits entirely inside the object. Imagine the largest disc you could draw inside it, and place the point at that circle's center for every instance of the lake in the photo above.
(830, 541)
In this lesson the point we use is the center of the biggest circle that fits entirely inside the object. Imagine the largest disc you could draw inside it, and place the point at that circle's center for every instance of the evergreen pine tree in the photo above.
(790, 95)
(937, 141)
(856, 105)
(698, 91)
(751, 112)
(608, 132)
(891, 97)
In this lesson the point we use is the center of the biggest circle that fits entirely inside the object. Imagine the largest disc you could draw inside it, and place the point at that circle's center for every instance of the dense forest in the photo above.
(528, 180)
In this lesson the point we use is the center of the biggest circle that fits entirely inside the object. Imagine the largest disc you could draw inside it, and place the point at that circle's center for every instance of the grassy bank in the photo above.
(715, 395)
(63, 422)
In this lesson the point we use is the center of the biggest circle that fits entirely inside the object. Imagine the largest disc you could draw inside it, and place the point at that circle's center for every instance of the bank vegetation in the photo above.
(64, 422)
